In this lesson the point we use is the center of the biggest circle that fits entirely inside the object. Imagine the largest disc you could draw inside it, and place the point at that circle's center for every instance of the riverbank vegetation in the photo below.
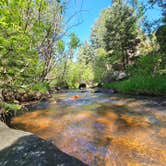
(31, 48)
(130, 51)
(126, 52)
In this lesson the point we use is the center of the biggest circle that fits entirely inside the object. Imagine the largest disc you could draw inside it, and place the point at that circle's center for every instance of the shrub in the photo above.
(41, 87)
(10, 106)
(146, 65)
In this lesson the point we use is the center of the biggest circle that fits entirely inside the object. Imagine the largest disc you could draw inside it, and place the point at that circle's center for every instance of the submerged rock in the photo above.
(102, 90)
(18, 148)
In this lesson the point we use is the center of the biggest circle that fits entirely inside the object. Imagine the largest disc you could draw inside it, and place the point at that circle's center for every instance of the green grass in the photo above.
(147, 85)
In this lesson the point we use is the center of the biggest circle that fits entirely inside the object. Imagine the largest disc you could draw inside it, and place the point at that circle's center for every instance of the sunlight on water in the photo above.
(102, 130)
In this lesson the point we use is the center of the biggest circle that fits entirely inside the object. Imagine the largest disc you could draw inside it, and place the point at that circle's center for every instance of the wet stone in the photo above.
(20, 151)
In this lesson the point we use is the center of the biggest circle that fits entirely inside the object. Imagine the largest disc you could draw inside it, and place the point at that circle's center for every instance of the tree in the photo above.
(117, 31)
(86, 53)
(161, 38)
(84, 60)
(98, 30)
(68, 56)
(100, 65)
(64, 54)
(28, 30)
(121, 37)
(161, 31)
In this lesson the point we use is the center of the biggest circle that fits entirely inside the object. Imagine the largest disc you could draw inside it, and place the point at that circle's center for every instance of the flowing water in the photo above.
(101, 130)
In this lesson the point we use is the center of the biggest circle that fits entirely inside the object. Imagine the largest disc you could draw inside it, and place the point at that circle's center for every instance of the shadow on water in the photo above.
(102, 130)
(33, 151)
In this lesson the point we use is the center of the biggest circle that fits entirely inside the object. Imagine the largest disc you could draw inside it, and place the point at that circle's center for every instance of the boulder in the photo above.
(19, 148)
(119, 75)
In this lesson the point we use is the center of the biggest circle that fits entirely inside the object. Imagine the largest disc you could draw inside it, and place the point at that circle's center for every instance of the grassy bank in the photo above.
(146, 85)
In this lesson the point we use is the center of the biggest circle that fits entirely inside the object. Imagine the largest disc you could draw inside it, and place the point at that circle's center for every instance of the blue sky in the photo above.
(91, 11)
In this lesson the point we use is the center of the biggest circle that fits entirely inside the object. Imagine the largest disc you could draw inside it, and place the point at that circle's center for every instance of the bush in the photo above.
(149, 64)
(40, 87)
(10, 106)
(146, 77)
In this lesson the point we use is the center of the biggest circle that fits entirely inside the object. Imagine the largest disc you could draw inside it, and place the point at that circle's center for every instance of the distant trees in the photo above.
(98, 30)
(33, 54)
(66, 52)
(161, 37)
(161, 31)
(86, 53)
(121, 35)
(100, 65)
(84, 60)
(117, 31)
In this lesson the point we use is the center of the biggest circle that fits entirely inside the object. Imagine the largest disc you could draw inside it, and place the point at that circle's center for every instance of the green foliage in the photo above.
(27, 37)
(120, 35)
(65, 65)
(121, 32)
(74, 41)
(100, 65)
(148, 45)
(146, 65)
(60, 46)
(86, 53)
(33, 55)
(71, 71)
(161, 38)
(40, 87)
(10, 106)
(117, 31)
(140, 84)
(145, 78)
(98, 30)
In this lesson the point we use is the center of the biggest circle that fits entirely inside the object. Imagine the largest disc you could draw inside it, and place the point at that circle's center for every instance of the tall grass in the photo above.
(140, 84)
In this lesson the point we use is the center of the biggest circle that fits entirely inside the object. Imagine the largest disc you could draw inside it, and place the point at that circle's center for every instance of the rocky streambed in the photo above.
(98, 129)
(102, 129)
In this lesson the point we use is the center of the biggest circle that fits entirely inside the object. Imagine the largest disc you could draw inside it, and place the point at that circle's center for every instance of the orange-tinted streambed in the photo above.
(101, 130)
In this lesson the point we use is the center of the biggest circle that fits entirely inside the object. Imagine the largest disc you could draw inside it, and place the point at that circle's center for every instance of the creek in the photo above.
(101, 129)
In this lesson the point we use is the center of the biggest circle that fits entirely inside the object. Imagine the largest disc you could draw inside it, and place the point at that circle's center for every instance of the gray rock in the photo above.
(120, 75)
(18, 148)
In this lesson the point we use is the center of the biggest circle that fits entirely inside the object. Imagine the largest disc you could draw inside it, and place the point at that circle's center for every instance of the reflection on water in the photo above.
(102, 130)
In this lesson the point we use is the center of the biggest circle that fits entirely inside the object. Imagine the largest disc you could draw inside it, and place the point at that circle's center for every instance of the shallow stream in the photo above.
(100, 129)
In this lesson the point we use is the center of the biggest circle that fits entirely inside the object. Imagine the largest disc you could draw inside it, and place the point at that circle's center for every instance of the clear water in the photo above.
(101, 130)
